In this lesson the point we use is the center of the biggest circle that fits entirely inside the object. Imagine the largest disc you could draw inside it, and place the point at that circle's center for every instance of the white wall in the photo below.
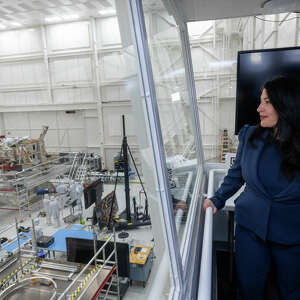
(46, 71)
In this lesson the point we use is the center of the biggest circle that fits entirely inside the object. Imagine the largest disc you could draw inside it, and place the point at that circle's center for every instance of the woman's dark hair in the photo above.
(284, 95)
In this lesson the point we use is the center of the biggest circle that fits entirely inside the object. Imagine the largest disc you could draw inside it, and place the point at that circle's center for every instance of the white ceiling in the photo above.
(34, 12)
(199, 10)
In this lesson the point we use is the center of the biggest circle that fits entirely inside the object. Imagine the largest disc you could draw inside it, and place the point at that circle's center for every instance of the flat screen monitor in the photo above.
(93, 193)
(102, 210)
(254, 68)
(82, 251)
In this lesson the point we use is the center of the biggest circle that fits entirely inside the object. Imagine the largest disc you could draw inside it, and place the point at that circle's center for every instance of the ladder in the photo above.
(73, 167)
(82, 170)
(225, 145)
(190, 149)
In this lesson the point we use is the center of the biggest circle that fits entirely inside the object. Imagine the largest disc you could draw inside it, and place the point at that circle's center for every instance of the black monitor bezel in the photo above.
(238, 77)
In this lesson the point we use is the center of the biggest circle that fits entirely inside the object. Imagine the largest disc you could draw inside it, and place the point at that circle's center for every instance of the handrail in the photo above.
(64, 294)
(205, 284)
(27, 281)
(204, 288)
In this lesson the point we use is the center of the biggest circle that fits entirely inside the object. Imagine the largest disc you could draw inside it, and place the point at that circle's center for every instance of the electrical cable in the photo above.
(146, 214)
(261, 19)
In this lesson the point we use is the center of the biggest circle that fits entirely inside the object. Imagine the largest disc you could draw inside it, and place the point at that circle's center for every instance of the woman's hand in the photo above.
(180, 205)
(208, 203)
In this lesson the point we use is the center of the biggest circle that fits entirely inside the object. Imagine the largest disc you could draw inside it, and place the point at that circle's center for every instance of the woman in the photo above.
(267, 212)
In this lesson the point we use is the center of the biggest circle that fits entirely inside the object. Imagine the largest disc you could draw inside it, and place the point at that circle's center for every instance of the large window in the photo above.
(174, 106)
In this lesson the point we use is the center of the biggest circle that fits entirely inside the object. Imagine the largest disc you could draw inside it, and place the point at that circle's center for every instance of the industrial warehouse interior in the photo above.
(117, 119)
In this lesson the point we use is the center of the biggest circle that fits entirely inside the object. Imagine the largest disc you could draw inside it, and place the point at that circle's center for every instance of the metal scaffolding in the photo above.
(29, 277)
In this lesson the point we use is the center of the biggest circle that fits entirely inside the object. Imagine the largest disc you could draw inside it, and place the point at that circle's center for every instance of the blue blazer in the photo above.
(275, 218)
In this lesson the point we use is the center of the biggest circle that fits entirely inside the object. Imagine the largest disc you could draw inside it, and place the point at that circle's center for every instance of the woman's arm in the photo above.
(233, 181)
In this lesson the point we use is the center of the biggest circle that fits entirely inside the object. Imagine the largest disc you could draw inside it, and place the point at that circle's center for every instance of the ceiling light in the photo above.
(256, 58)
(15, 24)
(107, 12)
(53, 19)
(70, 17)
(2, 26)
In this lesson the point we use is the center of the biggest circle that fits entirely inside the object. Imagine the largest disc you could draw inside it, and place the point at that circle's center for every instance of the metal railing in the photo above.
(205, 281)
(66, 294)
(17, 188)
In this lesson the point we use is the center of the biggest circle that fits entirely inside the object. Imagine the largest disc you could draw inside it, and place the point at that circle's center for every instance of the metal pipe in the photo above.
(94, 239)
(92, 279)
(88, 285)
(33, 236)
(116, 262)
(60, 267)
(57, 276)
(24, 282)
(7, 228)
(107, 260)
(108, 288)
(83, 270)
(18, 239)
(126, 173)
(204, 290)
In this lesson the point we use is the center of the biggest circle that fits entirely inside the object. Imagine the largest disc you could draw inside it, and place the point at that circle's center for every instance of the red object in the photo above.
(9, 167)
(104, 283)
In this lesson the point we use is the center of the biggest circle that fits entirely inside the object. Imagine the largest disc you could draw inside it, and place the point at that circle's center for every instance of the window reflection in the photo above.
(174, 109)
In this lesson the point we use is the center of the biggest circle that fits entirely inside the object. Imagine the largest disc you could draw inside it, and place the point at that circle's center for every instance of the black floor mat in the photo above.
(226, 288)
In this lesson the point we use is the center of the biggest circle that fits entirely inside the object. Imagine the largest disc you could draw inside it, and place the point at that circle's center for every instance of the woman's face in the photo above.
(267, 113)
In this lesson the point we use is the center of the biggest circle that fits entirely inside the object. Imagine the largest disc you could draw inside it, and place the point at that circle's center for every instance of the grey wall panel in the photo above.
(108, 33)
(61, 36)
(21, 41)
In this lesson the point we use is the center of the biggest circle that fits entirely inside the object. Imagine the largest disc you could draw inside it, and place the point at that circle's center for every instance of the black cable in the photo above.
(146, 202)
(261, 19)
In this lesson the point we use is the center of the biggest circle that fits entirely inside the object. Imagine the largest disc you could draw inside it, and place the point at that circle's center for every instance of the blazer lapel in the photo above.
(252, 158)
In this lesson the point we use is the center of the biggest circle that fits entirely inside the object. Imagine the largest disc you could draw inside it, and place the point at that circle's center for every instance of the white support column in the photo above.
(262, 42)
(59, 132)
(97, 87)
(253, 32)
(274, 32)
(29, 124)
(276, 26)
(214, 30)
(2, 124)
(46, 61)
(297, 29)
